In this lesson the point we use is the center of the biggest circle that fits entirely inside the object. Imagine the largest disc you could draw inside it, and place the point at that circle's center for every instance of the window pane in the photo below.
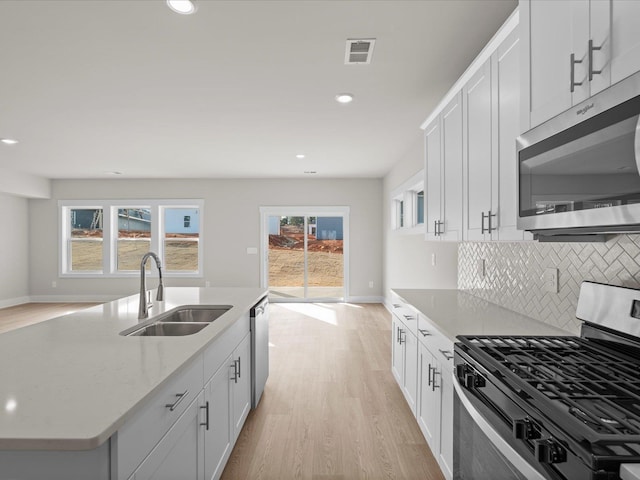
(420, 207)
(134, 236)
(85, 242)
(325, 259)
(286, 257)
(181, 239)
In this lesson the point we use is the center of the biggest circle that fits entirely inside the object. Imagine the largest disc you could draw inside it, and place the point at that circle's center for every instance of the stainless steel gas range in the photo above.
(534, 407)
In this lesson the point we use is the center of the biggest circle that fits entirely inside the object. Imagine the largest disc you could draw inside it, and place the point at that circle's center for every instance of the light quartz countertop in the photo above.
(454, 312)
(69, 383)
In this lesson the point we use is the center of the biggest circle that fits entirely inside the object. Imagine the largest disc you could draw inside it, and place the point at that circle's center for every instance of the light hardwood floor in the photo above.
(30, 313)
(331, 408)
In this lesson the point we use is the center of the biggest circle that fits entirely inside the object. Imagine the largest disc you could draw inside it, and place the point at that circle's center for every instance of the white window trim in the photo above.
(109, 245)
(408, 193)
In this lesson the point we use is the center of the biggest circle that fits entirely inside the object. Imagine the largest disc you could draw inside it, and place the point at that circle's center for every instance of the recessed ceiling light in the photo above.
(300, 155)
(344, 98)
(9, 141)
(183, 7)
(310, 171)
(115, 172)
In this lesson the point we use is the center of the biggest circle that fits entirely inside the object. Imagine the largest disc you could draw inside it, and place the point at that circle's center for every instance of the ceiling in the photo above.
(236, 90)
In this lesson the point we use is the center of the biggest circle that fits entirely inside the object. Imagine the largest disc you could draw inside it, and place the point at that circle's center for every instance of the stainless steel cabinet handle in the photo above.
(239, 368)
(435, 228)
(592, 72)
(429, 376)
(174, 405)
(488, 216)
(206, 422)
(408, 317)
(447, 354)
(400, 339)
(573, 61)
(397, 334)
(433, 382)
(235, 371)
(425, 333)
(395, 305)
(482, 229)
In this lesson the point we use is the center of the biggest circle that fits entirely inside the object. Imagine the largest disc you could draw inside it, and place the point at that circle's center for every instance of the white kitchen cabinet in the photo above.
(180, 453)
(573, 49)
(443, 157)
(241, 384)
(478, 156)
(625, 39)
(435, 393)
(405, 352)
(491, 113)
(218, 431)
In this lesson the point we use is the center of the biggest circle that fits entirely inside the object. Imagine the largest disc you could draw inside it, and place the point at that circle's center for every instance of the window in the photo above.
(108, 238)
(407, 211)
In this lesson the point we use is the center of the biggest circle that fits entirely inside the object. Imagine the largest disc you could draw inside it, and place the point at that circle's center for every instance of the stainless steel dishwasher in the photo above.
(259, 349)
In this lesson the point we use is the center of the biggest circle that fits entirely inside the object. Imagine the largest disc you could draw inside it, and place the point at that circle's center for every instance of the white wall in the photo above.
(14, 250)
(231, 223)
(407, 258)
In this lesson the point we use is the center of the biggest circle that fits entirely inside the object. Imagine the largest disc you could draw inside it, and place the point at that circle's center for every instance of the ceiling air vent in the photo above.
(359, 51)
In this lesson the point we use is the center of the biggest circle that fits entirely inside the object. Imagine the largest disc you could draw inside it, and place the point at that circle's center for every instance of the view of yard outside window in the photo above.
(134, 236)
(85, 239)
(324, 257)
(181, 235)
(134, 232)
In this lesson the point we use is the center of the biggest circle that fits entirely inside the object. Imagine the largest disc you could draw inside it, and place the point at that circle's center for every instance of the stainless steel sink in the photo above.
(165, 329)
(181, 321)
(198, 314)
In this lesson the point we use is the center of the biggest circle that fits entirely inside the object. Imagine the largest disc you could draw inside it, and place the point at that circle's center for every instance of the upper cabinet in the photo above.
(574, 49)
(443, 170)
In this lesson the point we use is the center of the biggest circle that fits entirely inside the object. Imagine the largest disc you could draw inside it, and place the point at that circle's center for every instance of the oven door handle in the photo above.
(496, 439)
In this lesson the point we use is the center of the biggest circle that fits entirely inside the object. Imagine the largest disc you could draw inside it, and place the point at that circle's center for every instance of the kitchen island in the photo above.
(70, 386)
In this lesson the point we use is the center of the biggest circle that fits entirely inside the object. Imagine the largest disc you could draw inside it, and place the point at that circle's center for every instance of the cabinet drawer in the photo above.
(439, 345)
(144, 430)
(407, 316)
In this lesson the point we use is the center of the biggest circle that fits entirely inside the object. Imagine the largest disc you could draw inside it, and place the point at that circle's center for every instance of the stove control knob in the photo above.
(549, 451)
(523, 429)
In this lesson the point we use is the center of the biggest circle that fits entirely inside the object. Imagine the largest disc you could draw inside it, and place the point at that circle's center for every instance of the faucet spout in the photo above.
(143, 309)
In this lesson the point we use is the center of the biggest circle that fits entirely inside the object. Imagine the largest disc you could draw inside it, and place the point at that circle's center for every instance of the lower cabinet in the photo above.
(217, 421)
(180, 453)
(423, 368)
(241, 385)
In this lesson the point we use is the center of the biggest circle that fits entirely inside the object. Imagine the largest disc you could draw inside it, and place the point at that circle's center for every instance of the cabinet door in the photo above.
(410, 381)
(180, 453)
(550, 48)
(600, 35)
(241, 385)
(506, 95)
(397, 350)
(218, 429)
(625, 44)
(452, 170)
(428, 411)
(445, 458)
(433, 159)
(477, 153)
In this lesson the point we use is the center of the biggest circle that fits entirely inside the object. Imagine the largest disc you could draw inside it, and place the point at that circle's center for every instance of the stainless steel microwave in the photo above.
(579, 173)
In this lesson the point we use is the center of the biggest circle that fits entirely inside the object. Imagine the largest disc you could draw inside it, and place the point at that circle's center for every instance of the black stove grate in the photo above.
(597, 386)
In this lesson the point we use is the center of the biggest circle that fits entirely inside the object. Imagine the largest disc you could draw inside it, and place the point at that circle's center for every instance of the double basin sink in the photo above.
(180, 321)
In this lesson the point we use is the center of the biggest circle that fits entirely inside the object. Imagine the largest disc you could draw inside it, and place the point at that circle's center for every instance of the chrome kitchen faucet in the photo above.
(143, 310)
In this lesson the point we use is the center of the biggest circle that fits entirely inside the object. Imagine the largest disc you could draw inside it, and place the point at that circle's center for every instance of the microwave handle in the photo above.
(496, 439)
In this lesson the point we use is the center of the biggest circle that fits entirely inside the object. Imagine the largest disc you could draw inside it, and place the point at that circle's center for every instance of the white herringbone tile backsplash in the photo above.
(513, 274)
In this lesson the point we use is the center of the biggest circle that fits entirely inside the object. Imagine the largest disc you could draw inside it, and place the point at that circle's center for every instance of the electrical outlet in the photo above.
(480, 267)
(54, 284)
(550, 280)
(433, 259)
(207, 284)
(371, 284)
(252, 251)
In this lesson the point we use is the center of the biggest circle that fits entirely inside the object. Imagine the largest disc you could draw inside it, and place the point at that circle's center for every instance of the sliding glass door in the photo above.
(304, 254)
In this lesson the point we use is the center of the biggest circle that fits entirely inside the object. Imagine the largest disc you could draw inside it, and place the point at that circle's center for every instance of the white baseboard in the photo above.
(388, 304)
(365, 299)
(73, 298)
(12, 302)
